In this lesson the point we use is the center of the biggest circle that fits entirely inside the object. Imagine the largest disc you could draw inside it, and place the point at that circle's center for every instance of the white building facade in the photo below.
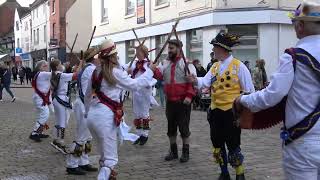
(39, 30)
(263, 25)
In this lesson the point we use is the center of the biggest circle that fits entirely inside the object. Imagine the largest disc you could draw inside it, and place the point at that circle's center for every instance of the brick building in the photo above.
(58, 9)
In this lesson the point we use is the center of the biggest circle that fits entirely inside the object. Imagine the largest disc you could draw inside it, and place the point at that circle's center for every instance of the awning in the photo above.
(5, 57)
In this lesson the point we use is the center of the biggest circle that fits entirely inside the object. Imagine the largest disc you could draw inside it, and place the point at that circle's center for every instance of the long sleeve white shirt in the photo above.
(302, 87)
(124, 82)
(243, 74)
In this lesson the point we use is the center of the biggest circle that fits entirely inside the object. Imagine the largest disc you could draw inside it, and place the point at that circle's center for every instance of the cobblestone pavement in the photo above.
(23, 159)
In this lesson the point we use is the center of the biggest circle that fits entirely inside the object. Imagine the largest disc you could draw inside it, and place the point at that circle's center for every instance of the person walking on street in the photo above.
(22, 74)
(28, 74)
(15, 73)
(5, 82)
(259, 75)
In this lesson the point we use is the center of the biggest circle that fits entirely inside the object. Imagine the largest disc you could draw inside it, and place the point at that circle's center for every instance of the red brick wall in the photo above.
(55, 19)
(6, 18)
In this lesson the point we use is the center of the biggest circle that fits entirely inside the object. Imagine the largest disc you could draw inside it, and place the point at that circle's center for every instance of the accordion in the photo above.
(260, 120)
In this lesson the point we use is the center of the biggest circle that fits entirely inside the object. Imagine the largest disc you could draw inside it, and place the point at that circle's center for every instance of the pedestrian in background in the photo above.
(14, 73)
(247, 63)
(212, 61)
(22, 74)
(5, 81)
(28, 74)
(201, 72)
(259, 75)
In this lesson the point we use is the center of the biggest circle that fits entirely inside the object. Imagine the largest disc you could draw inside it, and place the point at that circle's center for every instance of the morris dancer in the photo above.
(227, 78)
(179, 93)
(78, 159)
(41, 100)
(142, 98)
(298, 78)
(105, 115)
(61, 91)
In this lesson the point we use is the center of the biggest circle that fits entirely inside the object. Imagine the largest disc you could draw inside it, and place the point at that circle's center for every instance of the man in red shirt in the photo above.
(179, 93)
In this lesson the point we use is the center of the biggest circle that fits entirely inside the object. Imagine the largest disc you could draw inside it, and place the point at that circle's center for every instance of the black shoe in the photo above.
(143, 140)
(185, 154)
(35, 137)
(173, 153)
(240, 177)
(76, 171)
(224, 177)
(137, 141)
(43, 136)
(89, 168)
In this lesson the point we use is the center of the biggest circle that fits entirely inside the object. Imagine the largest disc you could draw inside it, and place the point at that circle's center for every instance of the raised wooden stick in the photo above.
(94, 30)
(137, 38)
(74, 42)
(70, 51)
(181, 51)
(165, 44)
(130, 65)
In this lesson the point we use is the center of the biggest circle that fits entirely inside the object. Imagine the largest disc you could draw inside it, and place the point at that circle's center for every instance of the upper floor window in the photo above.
(53, 30)
(26, 26)
(53, 6)
(104, 11)
(130, 7)
(17, 25)
(160, 2)
(45, 33)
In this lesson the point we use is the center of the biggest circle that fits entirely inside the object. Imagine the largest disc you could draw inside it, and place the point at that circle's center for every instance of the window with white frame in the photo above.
(160, 2)
(53, 6)
(18, 43)
(104, 11)
(17, 25)
(37, 11)
(34, 37)
(195, 44)
(38, 36)
(45, 33)
(247, 50)
(26, 26)
(131, 51)
(160, 40)
(130, 7)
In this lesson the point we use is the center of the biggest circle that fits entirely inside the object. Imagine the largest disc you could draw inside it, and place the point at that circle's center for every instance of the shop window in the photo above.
(160, 40)
(131, 51)
(248, 48)
(195, 44)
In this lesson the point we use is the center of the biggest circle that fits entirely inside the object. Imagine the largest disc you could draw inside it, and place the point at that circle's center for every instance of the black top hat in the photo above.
(225, 40)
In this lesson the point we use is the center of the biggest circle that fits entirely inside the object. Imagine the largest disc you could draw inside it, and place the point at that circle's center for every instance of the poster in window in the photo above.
(141, 16)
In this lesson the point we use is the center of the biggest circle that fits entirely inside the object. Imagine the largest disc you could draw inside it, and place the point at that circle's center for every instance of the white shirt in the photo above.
(243, 74)
(302, 87)
(43, 82)
(62, 89)
(86, 75)
(124, 82)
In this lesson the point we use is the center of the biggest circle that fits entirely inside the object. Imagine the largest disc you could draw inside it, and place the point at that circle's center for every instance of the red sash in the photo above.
(116, 108)
(44, 96)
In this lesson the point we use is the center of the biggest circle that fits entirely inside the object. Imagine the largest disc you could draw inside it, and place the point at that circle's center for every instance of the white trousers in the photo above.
(42, 112)
(82, 136)
(301, 159)
(102, 127)
(62, 114)
(141, 102)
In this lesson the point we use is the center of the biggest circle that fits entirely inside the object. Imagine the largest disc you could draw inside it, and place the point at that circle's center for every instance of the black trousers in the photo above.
(223, 129)
(178, 116)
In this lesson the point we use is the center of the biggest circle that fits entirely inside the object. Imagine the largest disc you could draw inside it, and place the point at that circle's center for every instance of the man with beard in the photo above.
(179, 94)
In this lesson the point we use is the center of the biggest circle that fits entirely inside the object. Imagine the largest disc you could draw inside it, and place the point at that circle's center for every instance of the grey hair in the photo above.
(39, 64)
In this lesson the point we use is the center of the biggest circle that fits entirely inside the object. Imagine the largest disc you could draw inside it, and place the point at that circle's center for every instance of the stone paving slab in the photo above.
(22, 159)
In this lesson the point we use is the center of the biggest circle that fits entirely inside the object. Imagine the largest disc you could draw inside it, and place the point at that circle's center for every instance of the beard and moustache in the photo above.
(172, 56)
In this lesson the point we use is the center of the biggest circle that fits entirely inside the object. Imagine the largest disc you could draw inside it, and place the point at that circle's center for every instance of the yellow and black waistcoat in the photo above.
(225, 87)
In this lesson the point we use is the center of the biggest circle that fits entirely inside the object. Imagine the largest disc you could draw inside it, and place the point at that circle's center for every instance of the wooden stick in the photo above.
(70, 50)
(181, 51)
(135, 34)
(130, 65)
(94, 30)
(165, 44)
(137, 38)
(74, 42)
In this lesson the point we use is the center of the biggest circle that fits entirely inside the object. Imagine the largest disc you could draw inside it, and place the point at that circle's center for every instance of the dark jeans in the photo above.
(21, 80)
(223, 129)
(7, 87)
(178, 115)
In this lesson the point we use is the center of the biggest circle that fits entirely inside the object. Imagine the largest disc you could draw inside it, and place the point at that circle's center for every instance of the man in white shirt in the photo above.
(227, 78)
(298, 78)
